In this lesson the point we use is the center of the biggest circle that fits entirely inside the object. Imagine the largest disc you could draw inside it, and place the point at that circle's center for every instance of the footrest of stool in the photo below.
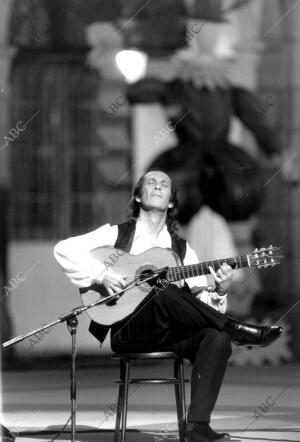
(152, 381)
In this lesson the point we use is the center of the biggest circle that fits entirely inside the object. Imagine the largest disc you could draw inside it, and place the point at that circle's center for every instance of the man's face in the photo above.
(156, 191)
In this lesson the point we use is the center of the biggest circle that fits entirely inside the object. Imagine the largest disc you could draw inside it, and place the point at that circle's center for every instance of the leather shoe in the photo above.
(204, 433)
(252, 335)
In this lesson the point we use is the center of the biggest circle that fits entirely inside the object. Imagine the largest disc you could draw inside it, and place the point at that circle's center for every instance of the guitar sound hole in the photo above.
(142, 274)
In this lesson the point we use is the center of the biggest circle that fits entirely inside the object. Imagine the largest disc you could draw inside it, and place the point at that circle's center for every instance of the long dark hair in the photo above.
(134, 205)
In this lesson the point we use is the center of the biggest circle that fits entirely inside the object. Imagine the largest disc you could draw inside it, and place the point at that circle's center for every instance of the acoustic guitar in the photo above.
(157, 265)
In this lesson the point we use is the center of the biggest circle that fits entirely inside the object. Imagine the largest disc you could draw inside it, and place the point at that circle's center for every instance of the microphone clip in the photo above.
(162, 280)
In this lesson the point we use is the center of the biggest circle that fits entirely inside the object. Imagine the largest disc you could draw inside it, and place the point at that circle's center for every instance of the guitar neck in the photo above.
(202, 268)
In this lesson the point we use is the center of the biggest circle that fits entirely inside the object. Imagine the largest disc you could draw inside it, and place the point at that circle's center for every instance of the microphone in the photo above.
(162, 277)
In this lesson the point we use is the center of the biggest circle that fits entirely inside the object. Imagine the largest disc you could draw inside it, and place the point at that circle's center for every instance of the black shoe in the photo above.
(204, 433)
(252, 335)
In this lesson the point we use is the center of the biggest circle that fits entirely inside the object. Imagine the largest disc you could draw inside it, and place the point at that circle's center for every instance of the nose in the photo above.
(157, 186)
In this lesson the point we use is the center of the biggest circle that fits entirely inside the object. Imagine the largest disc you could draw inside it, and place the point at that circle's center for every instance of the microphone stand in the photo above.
(72, 324)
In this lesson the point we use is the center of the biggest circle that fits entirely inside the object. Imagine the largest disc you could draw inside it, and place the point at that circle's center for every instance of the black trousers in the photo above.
(174, 320)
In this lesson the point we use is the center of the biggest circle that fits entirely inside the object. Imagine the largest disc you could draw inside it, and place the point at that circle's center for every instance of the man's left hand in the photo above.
(223, 278)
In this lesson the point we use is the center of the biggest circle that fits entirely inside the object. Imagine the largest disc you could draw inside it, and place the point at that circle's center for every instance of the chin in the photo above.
(158, 207)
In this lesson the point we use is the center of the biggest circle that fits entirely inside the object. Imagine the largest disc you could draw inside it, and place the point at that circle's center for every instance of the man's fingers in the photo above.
(219, 275)
(121, 283)
(119, 280)
(226, 268)
(214, 274)
(124, 280)
(222, 277)
(212, 271)
(109, 291)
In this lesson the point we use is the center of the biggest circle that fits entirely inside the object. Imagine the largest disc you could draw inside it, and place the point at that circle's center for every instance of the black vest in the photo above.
(124, 242)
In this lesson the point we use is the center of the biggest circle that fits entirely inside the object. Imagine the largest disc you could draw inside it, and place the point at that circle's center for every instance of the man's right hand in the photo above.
(114, 281)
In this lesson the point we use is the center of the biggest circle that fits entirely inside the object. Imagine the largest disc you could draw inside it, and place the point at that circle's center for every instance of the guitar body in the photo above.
(133, 266)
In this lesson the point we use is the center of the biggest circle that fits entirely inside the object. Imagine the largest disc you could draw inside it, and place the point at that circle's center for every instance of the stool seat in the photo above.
(178, 381)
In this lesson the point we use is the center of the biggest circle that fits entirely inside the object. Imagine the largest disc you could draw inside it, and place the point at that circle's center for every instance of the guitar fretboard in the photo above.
(202, 268)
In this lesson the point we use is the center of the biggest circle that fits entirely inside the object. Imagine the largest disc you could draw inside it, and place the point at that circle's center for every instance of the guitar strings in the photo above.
(236, 260)
(187, 267)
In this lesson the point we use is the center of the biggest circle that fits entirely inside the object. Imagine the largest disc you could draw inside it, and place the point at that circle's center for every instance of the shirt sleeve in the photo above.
(206, 295)
(73, 255)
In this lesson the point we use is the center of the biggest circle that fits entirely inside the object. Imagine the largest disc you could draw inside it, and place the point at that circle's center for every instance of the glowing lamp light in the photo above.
(226, 43)
(224, 49)
(132, 64)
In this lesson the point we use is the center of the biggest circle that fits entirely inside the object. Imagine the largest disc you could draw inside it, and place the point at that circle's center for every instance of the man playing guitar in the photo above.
(188, 319)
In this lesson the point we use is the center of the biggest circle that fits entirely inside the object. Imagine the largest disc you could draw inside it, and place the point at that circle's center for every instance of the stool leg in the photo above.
(183, 400)
(120, 402)
(180, 399)
(125, 400)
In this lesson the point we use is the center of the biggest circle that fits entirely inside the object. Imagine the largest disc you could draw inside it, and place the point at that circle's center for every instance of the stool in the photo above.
(178, 381)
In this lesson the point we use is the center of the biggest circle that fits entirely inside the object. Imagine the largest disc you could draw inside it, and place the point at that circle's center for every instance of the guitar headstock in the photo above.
(265, 257)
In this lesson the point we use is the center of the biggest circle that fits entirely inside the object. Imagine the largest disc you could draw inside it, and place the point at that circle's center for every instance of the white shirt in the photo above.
(77, 263)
